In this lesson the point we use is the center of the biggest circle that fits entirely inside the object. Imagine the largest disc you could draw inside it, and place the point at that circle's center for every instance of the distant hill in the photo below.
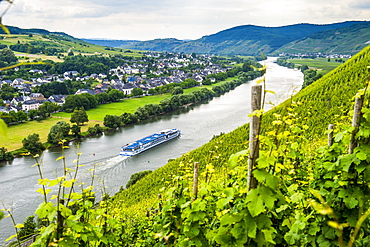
(17, 30)
(249, 39)
(53, 45)
(111, 43)
(345, 40)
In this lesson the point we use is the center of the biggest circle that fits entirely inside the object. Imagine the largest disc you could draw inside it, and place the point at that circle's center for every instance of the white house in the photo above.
(32, 104)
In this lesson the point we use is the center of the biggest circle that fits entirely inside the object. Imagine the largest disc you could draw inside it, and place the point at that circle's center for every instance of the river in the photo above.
(198, 124)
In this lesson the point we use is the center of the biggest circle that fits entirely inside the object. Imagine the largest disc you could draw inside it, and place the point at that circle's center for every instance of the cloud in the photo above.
(148, 19)
(360, 4)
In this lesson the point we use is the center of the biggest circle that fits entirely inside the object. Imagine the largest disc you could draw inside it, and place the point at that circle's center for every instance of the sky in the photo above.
(185, 19)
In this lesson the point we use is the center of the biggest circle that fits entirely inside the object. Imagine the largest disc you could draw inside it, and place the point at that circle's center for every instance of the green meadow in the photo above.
(320, 64)
(16, 133)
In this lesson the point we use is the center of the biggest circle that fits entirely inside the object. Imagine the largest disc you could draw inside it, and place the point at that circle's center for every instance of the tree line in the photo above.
(173, 103)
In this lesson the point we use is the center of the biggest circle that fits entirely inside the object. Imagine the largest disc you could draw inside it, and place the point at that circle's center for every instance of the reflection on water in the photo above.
(198, 124)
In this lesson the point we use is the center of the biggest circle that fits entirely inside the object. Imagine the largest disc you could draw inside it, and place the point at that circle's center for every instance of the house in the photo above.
(18, 81)
(34, 71)
(57, 99)
(32, 104)
(19, 99)
(9, 107)
(127, 88)
(37, 96)
(102, 87)
(70, 73)
(81, 91)
(25, 91)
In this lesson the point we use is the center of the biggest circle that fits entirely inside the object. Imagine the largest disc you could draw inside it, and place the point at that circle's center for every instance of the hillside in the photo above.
(328, 100)
(251, 40)
(346, 40)
(343, 38)
(111, 43)
(44, 44)
(37, 31)
(325, 101)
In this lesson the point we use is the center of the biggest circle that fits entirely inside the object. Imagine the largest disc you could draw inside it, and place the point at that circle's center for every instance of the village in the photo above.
(145, 74)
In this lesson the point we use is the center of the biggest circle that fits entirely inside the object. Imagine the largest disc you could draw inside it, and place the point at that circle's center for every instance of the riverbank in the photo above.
(16, 133)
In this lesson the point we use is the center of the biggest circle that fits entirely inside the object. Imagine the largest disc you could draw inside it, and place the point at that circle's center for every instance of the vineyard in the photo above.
(308, 193)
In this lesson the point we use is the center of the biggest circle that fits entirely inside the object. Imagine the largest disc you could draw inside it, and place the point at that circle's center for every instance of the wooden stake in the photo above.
(356, 122)
(330, 135)
(195, 180)
(254, 129)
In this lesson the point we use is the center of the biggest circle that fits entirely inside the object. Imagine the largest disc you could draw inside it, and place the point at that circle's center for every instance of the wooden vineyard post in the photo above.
(356, 122)
(195, 180)
(254, 129)
(60, 221)
(330, 135)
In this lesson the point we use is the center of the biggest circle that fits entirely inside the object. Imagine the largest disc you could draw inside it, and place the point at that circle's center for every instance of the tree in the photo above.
(128, 118)
(33, 144)
(141, 113)
(7, 55)
(304, 68)
(112, 121)
(21, 116)
(28, 229)
(177, 90)
(97, 129)
(5, 155)
(115, 95)
(47, 108)
(217, 89)
(79, 116)
(247, 66)
(58, 132)
(76, 130)
(7, 92)
(166, 105)
(32, 114)
(102, 98)
(85, 100)
(153, 109)
(137, 92)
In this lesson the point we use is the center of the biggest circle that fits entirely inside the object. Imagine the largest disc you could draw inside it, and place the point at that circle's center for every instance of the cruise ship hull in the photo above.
(149, 142)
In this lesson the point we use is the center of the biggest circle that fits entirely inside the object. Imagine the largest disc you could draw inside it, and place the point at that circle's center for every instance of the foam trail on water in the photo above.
(106, 164)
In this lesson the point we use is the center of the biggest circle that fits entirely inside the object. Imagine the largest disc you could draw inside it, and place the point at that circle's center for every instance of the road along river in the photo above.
(198, 124)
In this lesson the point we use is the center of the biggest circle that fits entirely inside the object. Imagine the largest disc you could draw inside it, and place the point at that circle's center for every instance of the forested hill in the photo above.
(345, 40)
(17, 30)
(251, 40)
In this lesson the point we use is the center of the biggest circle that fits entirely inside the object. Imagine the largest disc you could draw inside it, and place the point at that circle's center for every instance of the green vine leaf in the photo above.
(234, 158)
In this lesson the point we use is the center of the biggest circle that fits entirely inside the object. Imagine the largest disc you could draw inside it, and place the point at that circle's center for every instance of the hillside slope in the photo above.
(247, 39)
(53, 45)
(304, 197)
(346, 40)
(324, 102)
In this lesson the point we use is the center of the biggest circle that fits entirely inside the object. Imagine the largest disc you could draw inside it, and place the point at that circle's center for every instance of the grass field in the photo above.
(16, 133)
(320, 64)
